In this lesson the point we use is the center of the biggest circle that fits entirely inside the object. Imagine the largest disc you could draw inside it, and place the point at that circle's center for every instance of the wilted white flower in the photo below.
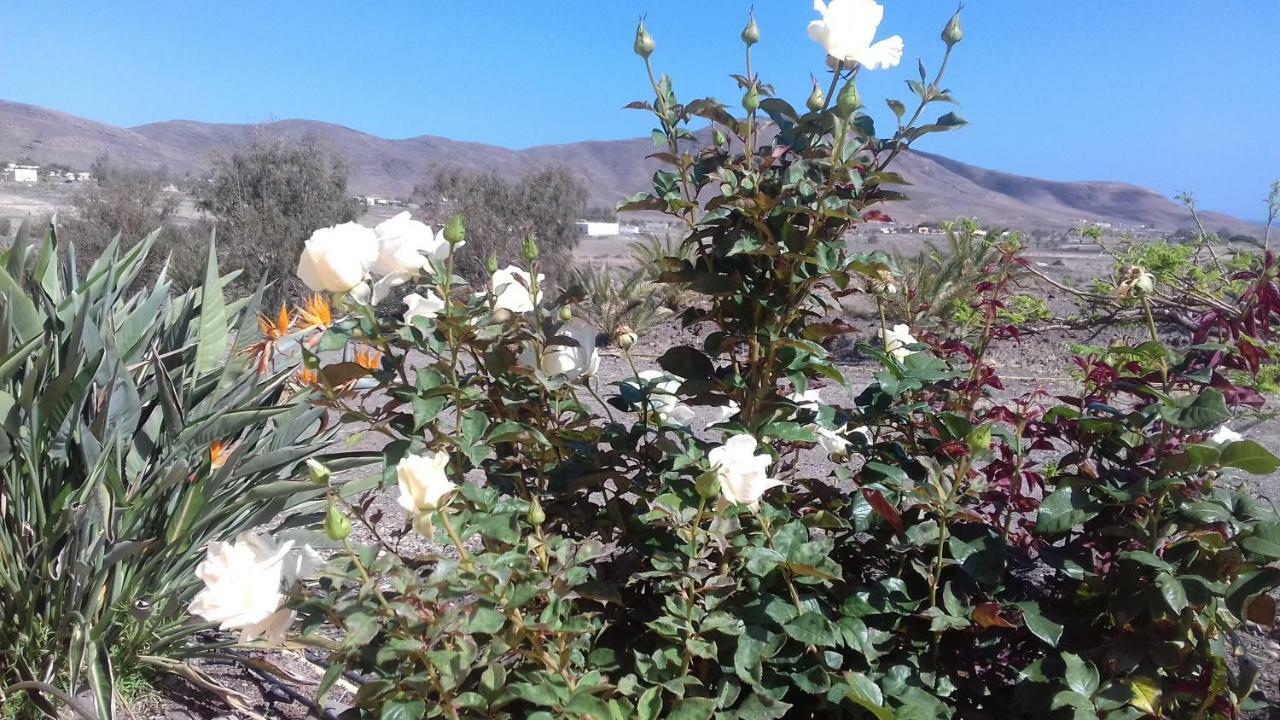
(511, 290)
(1225, 435)
(896, 341)
(810, 400)
(422, 306)
(244, 583)
(744, 475)
(664, 401)
(572, 362)
(1145, 283)
(723, 413)
(337, 259)
(831, 441)
(424, 482)
(846, 30)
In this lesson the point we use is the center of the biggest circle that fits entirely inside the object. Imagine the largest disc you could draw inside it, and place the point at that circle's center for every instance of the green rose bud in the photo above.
(566, 314)
(536, 515)
(644, 41)
(751, 101)
(336, 525)
(953, 33)
(454, 232)
(707, 484)
(817, 99)
(319, 473)
(491, 263)
(529, 249)
(751, 33)
(717, 137)
(979, 438)
(847, 101)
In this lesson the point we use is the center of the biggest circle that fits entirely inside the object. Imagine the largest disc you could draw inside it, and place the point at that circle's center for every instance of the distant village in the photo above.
(26, 173)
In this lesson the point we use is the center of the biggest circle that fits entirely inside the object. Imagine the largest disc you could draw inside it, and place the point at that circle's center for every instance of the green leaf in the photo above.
(1249, 456)
(693, 709)
(26, 319)
(687, 362)
(403, 710)
(866, 694)
(1039, 625)
(1248, 586)
(1082, 676)
(1172, 591)
(1200, 412)
(1063, 510)
(212, 334)
(812, 628)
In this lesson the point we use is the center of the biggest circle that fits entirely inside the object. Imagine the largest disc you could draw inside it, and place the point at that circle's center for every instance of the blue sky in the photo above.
(1171, 94)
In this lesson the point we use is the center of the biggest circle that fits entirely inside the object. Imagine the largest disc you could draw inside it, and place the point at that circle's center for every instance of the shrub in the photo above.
(961, 554)
(130, 435)
(501, 213)
(617, 297)
(266, 200)
(122, 202)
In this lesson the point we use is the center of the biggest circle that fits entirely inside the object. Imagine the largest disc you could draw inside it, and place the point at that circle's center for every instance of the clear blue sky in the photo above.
(1171, 94)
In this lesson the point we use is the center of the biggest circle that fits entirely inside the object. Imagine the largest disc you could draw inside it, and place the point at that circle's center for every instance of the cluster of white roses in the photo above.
(345, 259)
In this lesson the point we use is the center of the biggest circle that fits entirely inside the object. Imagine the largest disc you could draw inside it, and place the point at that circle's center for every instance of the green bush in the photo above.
(132, 432)
(932, 549)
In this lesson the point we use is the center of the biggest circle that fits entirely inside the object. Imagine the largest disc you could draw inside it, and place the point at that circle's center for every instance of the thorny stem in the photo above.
(669, 130)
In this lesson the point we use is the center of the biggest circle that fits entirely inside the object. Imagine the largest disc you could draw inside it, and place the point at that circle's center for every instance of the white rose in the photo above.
(424, 484)
(572, 362)
(337, 259)
(1225, 435)
(510, 288)
(243, 584)
(407, 246)
(744, 475)
(664, 401)
(846, 30)
(896, 341)
(424, 307)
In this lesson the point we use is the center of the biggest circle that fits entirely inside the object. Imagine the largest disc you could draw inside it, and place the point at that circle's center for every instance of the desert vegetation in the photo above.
(446, 474)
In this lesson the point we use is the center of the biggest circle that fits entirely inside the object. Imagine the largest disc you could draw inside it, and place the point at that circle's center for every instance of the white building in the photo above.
(598, 229)
(26, 173)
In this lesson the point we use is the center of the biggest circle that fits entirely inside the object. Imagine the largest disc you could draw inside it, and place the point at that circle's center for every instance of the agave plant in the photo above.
(132, 432)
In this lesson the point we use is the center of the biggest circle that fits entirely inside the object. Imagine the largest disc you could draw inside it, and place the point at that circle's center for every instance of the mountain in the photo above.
(941, 188)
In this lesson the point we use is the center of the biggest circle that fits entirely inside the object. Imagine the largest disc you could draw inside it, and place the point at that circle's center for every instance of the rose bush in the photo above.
(952, 553)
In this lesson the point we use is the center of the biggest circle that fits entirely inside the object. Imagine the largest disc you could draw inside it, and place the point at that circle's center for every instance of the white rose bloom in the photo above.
(424, 483)
(1225, 435)
(724, 413)
(744, 475)
(846, 30)
(244, 581)
(832, 441)
(337, 259)
(406, 246)
(424, 307)
(572, 362)
(896, 341)
(665, 402)
(510, 290)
